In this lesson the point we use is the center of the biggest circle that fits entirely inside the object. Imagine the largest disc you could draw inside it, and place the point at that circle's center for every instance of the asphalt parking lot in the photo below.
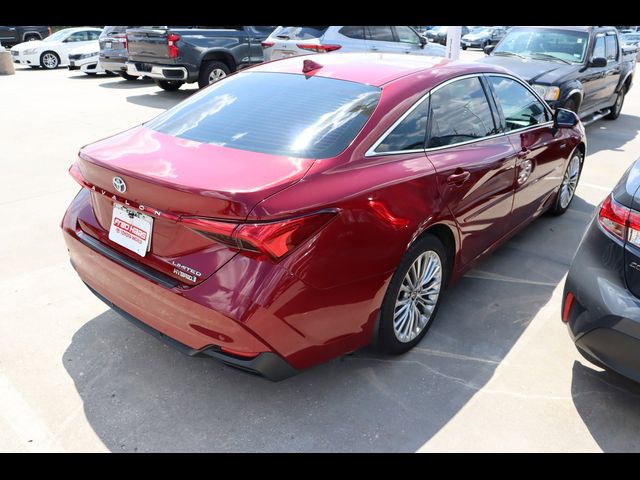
(497, 372)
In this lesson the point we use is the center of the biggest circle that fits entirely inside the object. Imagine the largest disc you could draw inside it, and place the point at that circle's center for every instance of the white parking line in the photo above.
(597, 187)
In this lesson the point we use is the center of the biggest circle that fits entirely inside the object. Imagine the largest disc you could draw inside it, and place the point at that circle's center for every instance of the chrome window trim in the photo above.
(372, 153)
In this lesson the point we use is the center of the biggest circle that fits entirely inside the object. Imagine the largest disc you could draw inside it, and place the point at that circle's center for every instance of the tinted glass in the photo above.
(79, 37)
(459, 113)
(406, 35)
(263, 29)
(598, 49)
(93, 35)
(520, 107)
(409, 134)
(274, 113)
(612, 47)
(353, 32)
(381, 34)
(545, 43)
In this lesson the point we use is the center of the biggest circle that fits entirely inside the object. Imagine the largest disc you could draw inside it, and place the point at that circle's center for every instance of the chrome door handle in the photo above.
(458, 178)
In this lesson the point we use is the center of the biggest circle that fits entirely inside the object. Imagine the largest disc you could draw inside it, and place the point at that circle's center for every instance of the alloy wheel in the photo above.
(418, 296)
(50, 60)
(216, 74)
(570, 181)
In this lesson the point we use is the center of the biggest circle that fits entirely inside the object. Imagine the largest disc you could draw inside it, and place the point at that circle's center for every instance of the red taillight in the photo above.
(319, 48)
(267, 44)
(613, 217)
(274, 239)
(123, 37)
(568, 301)
(172, 38)
(74, 171)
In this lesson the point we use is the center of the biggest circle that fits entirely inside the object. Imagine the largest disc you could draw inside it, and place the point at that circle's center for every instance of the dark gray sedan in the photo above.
(601, 300)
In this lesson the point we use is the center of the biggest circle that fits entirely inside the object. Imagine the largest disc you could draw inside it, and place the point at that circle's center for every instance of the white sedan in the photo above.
(54, 50)
(86, 58)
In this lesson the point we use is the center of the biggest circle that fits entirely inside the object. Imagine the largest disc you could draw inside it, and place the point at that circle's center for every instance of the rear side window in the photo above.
(274, 113)
(406, 35)
(353, 32)
(381, 34)
(409, 134)
(612, 47)
(519, 106)
(300, 33)
(460, 112)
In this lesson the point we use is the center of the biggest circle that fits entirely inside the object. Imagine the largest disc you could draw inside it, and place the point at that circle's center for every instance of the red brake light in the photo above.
(267, 44)
(319, 48)
(274, 239)
(613, 217)
(74, 171)
(172, 38)
(568, 301)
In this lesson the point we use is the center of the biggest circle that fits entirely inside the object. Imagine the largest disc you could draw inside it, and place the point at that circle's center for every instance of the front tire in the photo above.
(169, 85)
(49, 60)
(570, 104)
(569, 184)
(413, 296)
(617, 107)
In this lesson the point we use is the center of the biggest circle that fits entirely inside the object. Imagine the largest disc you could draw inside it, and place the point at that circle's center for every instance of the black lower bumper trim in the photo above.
(266, 364)
(609, 348)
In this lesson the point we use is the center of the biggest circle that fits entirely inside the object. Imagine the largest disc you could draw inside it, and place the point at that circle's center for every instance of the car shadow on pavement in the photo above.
(612, 135)
(161, 99)
(121, 83)
(608, 405)
(140, 395)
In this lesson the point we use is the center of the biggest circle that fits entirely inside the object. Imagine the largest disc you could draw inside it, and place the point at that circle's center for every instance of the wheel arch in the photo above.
(446, 232)
(220, 56)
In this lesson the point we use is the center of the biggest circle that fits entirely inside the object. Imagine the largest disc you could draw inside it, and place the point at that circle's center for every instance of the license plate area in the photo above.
(131, 229)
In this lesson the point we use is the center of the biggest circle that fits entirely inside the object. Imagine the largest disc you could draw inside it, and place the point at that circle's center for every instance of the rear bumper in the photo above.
(114, 64)
(604, 319)
(158, 72)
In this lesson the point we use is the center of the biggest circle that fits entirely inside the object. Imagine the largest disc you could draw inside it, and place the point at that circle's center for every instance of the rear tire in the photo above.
(464, 47)
(617, 107)
(408, 309)
(211, 72)
(569, 184)
(169, 85)
(126, 76)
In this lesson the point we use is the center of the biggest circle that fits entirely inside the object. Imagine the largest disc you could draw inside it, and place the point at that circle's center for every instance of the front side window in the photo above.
(381, 34)
(520, 107)
(460, 113)
(599, 49)
(93, 35)
(409, 134)
(353, 32)
(612, 48)
(274, 113)
(78, 37)
(406, 35)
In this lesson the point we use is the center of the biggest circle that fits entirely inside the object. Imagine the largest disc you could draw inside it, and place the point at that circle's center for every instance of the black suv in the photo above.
(113, 51)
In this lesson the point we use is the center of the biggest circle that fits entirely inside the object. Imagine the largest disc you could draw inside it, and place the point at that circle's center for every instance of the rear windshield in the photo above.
(299, 33)
(274, 113)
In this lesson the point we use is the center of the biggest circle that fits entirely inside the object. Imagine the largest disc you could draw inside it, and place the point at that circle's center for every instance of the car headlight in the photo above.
(30, 51)
(547, 92)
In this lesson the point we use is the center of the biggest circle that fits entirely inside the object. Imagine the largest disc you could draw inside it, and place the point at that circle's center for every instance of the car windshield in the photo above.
(274, 113)
(565, 45)
(60, 35)
(480, 31)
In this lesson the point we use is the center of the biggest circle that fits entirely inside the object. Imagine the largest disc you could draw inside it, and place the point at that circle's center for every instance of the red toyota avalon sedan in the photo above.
(304, 208)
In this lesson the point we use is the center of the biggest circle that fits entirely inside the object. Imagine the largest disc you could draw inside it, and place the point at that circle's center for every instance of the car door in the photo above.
(381, 39)
(541, 151)
(592, 78)
(614, 68)
(474, 162)
(408, 40)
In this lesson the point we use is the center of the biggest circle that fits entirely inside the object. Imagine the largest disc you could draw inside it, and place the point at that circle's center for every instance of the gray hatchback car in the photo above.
(290, 41)
(113, 51)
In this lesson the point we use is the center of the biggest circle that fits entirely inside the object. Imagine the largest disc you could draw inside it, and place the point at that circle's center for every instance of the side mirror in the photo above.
(598, 62)
(423, 41)
(488, 49)
(563, 118)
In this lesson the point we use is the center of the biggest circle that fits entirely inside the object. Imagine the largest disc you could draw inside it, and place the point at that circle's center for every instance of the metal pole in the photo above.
(453, 42)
